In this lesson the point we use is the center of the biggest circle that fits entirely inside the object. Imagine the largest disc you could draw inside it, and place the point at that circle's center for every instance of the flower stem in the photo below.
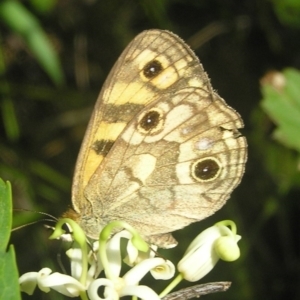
(83, 296)
(171, 286)
(137, 241)
(228, 223)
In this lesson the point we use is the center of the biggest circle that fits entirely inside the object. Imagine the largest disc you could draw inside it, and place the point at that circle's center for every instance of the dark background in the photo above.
(237, 42)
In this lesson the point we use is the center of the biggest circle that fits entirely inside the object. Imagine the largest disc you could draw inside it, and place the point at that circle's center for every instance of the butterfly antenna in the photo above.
(37, 212)
(51, 218)
(32, 223)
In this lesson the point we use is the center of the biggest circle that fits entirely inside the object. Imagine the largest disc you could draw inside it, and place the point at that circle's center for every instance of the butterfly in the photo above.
(162, 149)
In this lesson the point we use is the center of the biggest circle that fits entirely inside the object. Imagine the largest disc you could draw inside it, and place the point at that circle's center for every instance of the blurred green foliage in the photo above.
(288, 12)
(43, 118)
(21, 21)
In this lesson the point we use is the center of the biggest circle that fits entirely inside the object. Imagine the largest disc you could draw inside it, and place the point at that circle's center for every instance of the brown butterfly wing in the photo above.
(162, 150)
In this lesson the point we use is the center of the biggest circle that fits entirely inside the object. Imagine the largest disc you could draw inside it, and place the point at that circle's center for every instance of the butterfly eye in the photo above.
(206, 169)
(152, 69)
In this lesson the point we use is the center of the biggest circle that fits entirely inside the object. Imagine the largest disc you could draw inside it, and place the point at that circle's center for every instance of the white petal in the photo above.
(28, 282)
(134, 256)
(164, 271)
(195, 265)
(93, 272)
(95, 246)
(96, 266)
(114, 252)
(208, 235)
(75, 255)
(110, 293)
(42, 275)
(141, 291)
(135, 274)
(198, 273)
(132, 253)
(64, 284)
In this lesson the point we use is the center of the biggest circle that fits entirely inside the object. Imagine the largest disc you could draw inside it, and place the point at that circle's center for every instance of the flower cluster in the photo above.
(214, 243)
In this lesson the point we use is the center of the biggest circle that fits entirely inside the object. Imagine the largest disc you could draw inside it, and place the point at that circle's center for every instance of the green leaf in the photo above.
(5, 214)
(282, 104)
(9, 285)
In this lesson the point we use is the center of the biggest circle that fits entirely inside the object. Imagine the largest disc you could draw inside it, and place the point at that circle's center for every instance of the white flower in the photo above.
(128, 284)
(214, 243)
(75, 255)
(64, 284)
(106, 255)
(206, 249)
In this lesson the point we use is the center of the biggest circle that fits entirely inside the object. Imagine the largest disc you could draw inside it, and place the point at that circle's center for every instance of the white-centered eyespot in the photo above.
(206, 169)
(152, 69)
(151, 122)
